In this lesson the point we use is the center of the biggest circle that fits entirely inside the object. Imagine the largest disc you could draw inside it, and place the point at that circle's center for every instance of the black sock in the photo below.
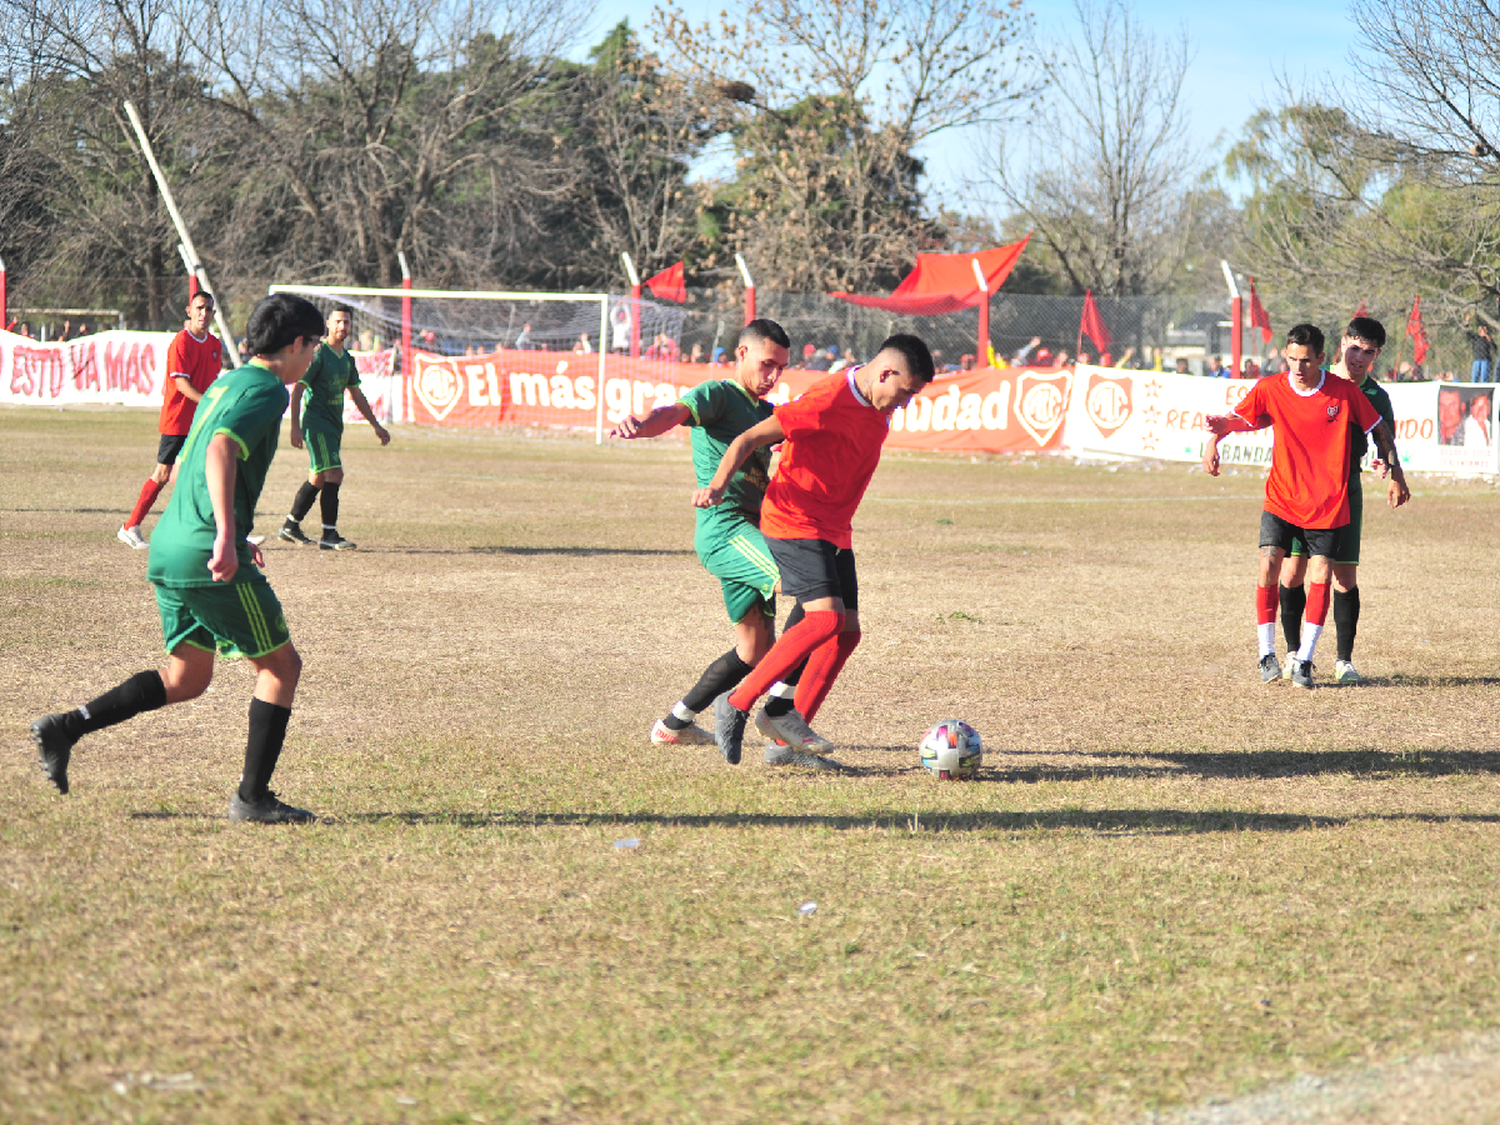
(331, 506)
(144, 691)
(724, 674)
(1346, 621)
(1293, 605)
(267, 733)
(303, 502)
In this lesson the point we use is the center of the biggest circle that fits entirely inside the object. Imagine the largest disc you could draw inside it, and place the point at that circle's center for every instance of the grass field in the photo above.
(1171, 883)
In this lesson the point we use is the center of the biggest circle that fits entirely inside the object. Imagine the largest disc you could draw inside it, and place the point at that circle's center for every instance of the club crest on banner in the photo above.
(438, 386)
(1108, 402)
(1041, 401)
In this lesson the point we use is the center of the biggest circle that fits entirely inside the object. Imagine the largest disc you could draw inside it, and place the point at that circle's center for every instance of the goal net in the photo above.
(577, 361)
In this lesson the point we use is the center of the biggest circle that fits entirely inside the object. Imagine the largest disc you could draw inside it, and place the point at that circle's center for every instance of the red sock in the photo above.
(149, 492)
(1266, 603)
(822, 669)
(788, 652)
(1317, 603)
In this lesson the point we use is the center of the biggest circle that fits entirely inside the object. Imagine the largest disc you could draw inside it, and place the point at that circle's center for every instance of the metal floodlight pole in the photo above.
(635, 306)
(739, 260)
(1236, 321)
(192, 271)
(408, 368)
(982, 355)
(195, 269)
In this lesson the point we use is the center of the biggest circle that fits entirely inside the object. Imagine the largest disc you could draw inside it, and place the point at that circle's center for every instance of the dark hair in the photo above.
(277, 320)
(1368, 329)
(345, 309)
(1308, 335)
(914, 351)
(205, 294)
(763, 329)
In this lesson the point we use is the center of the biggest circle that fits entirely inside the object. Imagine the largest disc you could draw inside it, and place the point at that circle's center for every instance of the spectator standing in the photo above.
(1482, 349)
(1216, 368)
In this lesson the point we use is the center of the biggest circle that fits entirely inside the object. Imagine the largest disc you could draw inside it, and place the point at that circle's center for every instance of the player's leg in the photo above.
(786, 729)
(1323, 544)
(167, 450)
(1275, 541)
(752, 641)
(190, 667)
(1293, 594)
(325, 448)
(1346, 587)
(828, 660)
(302, 503)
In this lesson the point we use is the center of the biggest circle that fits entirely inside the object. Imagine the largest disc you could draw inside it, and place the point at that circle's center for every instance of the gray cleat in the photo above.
(54, 747)
(266, 809)
(1302, 673)
(729, 728)
(779, 755)
(1270, 668)
(791, 729)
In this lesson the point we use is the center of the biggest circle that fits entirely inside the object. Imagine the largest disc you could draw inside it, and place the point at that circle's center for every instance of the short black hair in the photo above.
(764, 329)
(277, 320)
(205, 294)
(1368, 329)
(345, 309)
(1307, 335)
(914, 351)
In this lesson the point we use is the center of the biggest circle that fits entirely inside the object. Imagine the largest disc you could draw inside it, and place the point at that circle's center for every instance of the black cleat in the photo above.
(54, 747)
(729, 728)
(335, 542)
(266, 809)
(292, 533)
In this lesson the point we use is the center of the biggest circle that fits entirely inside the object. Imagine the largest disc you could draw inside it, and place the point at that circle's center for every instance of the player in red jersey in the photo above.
(194, 359)
(832, 437)
(1307, 492)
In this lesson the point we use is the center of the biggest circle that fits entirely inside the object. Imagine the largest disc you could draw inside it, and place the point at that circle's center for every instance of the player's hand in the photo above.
(707, 497)
(628, 427)
(1396, 492)
(296, 436)
(383, 434)
(1219, 424)
(224, 561)
(257, 556)
(1211, 458)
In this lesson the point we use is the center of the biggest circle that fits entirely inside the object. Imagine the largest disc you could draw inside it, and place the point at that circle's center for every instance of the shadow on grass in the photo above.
(1254, 764)
(572, 552)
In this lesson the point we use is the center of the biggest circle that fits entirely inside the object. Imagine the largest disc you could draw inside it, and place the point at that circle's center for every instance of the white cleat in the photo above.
(1344, 673)
(690, 735)
(131, 537)
(791, 729)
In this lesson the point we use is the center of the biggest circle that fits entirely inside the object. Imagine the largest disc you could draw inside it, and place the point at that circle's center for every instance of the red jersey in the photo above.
(198, 361)
(1309, 482)
(833, 440)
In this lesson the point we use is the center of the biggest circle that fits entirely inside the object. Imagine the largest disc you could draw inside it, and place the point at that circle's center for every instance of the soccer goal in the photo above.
(482, 358)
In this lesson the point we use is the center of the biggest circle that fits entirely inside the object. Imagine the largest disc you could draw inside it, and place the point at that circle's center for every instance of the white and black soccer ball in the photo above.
(951, 748)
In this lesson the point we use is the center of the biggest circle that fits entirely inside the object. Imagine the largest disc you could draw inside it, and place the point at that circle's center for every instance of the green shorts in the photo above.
(1347, 552)
(237, 619)
(323, 449)
(735, 553)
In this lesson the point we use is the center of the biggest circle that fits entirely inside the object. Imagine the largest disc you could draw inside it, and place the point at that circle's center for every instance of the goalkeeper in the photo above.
(730, 546)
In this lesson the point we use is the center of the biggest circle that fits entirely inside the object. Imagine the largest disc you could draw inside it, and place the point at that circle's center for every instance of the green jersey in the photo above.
(247, 405)
(721, 411)
(1382, 404)
(323, 400)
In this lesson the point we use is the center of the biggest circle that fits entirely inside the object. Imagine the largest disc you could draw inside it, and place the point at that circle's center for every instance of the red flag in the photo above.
(1361, 311)
(1258, 316)
(1092, 324)
(669, 285)
(1415, 330)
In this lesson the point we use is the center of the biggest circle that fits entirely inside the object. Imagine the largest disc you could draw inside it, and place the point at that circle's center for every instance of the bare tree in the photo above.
(1103, 177)
(827, 100)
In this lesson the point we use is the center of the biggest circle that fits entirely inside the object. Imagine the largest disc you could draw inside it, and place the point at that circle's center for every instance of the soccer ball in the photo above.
(951, 748)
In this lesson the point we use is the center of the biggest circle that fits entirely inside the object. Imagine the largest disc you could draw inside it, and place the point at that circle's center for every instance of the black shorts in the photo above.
(815, 568)
(169, 447)
(1276, 532)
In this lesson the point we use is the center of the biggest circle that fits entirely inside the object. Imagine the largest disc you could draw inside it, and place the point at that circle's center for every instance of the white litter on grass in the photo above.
(807, 908)
(403, 1100)
(625, 845)
(163, 1082)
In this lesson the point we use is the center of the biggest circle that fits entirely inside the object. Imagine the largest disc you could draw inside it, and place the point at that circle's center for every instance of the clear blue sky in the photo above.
(1239, 52)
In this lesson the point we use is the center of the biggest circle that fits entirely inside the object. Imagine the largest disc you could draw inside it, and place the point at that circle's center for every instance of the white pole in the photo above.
(225, 335)
(599, 397)
(635, 278)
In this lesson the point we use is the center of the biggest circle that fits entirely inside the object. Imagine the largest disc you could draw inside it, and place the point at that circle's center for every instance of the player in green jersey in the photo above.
(320, 423)
(209, 589)
(1358, 351)
(730, 545)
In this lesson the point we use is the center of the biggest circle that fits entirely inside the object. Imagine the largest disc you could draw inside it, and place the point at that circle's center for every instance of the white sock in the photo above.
(1267, 635)
(1310, 635)
(782, 690)
(680, 710)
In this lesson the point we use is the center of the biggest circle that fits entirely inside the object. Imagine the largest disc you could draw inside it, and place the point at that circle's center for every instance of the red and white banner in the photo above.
(992, 410)
(380, 384)
(110, 367)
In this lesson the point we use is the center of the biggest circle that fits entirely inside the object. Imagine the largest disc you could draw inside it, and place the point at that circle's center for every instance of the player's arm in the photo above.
(768, 432)
(185, 386)
(220, 467)
(654, 423)
(363, 406)
(1211, 455)
(1396, 492)
(1221, 424)
(297, 391)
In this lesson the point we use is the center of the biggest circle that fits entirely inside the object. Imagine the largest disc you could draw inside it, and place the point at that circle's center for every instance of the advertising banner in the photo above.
(110, 367)
(378, 381)
(992, 410)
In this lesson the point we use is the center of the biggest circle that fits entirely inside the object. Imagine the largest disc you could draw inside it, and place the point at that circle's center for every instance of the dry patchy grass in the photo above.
(1171, 882)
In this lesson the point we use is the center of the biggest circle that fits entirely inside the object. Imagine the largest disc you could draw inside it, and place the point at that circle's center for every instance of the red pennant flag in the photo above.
(1361, 311)
(1092, 324)
(669, 285)
(1415, 330)
(1259, 318)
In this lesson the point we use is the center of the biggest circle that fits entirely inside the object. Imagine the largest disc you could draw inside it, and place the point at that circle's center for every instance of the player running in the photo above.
(331, 374)
(209, 589)
(832, 438)
(194, 359)
(1307, 491)
(730, 545)
(1358, 350)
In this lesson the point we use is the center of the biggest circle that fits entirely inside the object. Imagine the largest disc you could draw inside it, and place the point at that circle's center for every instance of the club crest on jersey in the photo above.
(1333, 411)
